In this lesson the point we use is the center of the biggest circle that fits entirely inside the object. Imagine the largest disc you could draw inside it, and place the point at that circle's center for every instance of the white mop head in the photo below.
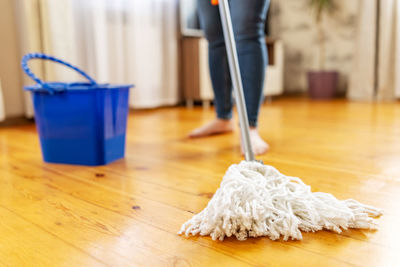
(257, 200)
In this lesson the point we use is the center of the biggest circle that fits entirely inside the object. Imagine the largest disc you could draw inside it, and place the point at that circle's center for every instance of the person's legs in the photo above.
(219, 71)
(248, 19)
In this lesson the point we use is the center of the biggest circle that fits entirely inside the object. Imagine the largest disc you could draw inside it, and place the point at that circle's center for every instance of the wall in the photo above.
(293, 22)
(10, 71)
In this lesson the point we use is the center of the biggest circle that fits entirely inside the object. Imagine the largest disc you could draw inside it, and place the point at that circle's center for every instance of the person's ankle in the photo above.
(227, 120)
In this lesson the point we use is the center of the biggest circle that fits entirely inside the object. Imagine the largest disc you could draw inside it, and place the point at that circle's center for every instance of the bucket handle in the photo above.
(45, 85)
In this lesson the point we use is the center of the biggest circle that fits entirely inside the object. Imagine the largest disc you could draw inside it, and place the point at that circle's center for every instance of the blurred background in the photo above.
(349, 50)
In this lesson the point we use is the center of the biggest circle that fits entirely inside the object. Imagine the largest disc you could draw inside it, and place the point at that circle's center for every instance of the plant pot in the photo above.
(322, 84)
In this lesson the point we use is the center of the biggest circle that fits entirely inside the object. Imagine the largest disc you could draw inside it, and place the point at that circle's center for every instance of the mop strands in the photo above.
(257, 200)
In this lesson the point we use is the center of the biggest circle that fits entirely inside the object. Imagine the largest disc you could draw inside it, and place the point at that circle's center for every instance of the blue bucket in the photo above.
(78, 123)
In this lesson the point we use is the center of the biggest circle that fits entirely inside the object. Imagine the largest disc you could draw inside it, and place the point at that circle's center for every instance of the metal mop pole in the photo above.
(236, 78)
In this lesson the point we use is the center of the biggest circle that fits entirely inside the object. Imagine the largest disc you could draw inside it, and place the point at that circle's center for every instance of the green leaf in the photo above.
(320, 6)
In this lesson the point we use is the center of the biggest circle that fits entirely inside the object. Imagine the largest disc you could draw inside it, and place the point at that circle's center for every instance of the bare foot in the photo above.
(217, 126)
(257, 143)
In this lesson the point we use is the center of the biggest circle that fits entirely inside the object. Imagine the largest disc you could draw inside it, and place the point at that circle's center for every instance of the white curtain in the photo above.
(389, 49)
(115, 41)
(376, 68)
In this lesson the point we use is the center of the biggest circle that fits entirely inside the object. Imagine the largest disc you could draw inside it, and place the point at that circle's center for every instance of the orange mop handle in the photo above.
(214, 2)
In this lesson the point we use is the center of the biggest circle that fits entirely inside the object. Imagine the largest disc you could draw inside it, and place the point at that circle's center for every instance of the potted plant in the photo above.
(322, 83)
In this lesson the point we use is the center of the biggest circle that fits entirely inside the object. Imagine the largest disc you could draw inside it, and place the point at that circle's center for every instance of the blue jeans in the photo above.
(248, 20)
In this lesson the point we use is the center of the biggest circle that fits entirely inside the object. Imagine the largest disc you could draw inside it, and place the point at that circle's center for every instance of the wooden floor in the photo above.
(128, 213)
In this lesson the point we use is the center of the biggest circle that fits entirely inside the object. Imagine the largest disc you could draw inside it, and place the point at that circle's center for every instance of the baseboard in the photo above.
(15, 121)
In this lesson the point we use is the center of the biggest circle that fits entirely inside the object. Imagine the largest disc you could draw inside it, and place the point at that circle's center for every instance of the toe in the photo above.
(192, 134)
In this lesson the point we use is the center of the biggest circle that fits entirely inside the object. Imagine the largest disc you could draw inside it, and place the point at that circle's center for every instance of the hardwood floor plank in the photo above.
(96, 230)
(25, 244)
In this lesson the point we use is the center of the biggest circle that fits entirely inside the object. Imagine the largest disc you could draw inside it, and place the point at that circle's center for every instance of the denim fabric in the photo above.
(248, 20)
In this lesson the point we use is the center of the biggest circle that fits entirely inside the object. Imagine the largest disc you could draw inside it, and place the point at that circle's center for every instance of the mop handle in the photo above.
(236, 78)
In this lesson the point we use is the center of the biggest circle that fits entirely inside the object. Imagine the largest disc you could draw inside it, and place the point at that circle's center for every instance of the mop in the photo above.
(256, 200)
